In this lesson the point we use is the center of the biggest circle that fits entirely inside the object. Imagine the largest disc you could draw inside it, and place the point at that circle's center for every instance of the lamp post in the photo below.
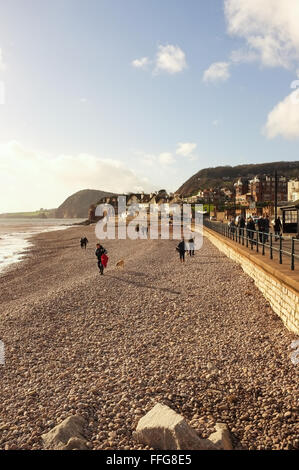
(275, 194)
(235, 202)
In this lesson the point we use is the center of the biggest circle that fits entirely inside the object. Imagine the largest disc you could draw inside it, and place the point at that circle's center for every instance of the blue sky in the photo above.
(80, 113)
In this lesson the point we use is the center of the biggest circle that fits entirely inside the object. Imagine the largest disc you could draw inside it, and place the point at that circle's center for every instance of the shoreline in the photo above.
(108, 347)
(18, 242)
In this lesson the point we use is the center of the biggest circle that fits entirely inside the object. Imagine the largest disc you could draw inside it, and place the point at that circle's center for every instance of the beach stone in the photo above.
(75, 443)
(221, 438)
(67, 434)
(162, 428)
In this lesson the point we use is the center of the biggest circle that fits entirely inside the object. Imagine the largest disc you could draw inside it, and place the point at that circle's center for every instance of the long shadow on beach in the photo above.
(136, 273)
(139, 284)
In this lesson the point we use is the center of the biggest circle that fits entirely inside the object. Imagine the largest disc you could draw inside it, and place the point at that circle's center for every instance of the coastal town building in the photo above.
(293, 190)
(242, 194)
(227, 193)
(262, 188)
(144, 201)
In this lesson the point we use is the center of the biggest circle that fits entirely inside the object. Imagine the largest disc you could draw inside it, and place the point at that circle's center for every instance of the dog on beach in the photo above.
(120, 264)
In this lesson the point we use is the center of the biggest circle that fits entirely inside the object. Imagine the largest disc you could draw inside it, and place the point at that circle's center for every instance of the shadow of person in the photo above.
(136, 273)
(139, 284)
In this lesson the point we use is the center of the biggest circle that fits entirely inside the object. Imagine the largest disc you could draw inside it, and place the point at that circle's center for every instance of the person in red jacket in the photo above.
(100, 251)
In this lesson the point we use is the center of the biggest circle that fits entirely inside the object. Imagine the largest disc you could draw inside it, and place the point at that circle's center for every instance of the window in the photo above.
(291, 217)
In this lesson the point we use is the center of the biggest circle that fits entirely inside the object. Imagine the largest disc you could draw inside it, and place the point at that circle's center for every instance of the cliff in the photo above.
(77, 205)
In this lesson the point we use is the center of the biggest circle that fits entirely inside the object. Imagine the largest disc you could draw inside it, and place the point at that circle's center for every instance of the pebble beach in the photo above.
(198, 337)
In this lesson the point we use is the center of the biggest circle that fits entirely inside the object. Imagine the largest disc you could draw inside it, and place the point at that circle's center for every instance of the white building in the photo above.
(293, 190)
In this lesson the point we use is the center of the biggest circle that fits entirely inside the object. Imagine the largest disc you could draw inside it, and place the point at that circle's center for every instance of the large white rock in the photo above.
(221, 438)
(162, 428)
(67, 435)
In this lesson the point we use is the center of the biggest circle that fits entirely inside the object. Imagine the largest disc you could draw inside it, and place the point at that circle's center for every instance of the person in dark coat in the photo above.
(83, 242)
(99, 252)
(250, 229)
(232, 225)
(242, 224)
(181, 248)
(261, 228)
(277, 228)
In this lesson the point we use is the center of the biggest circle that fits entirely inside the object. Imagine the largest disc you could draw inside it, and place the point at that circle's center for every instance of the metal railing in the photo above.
(261, 242)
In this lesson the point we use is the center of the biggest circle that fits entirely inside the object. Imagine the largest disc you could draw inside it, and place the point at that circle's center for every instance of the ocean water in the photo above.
(15, 235)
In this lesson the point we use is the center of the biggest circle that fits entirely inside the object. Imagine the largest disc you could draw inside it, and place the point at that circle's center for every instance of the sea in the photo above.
(15, 236)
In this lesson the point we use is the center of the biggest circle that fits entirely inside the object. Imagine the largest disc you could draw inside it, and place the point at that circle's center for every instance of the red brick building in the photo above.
(262, 188)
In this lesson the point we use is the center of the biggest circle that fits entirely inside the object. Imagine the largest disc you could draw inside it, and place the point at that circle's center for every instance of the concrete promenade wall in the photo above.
(280, 288)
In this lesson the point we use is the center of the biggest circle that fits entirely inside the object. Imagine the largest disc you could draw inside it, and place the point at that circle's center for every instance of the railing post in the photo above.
(293, 254)
(280, 249)
(263, 250)
(271, 245)
(257, 241)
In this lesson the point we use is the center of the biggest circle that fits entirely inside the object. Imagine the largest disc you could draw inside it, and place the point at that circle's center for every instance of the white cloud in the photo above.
(32, 179)
(166, 158)
(151, 160)
(141, 63)
(283, 120)
(270, 28)
(218, 71)
(170, 59)
(216, 122)
(185, 148)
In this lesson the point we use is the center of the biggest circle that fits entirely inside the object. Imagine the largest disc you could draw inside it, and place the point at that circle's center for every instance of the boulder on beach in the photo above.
(67, 435)
(164, 429)
(221, 438)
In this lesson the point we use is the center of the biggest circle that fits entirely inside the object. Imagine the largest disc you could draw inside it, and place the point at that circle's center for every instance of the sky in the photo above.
(129, 95)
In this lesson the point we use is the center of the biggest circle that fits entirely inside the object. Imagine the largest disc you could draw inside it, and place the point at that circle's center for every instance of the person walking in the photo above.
(191, 247)
(181, 248)
(232, 226)
(242, 223)
(83, 242)
(144, 230)
(277, 228)
(261, 228)
(250, 229)
(101, 254)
